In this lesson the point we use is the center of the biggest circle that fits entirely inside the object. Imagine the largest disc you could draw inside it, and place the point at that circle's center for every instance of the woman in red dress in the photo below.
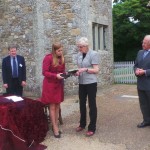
(53, 84)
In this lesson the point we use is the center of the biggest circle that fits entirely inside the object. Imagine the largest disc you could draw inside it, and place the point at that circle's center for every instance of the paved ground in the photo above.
(116, 124)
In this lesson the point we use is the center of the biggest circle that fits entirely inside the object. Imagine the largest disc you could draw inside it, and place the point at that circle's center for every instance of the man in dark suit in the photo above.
(14, 72)
(142, 71)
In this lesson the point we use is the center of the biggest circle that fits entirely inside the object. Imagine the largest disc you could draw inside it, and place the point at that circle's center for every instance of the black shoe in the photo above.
(58, 131)
(57, 136)
(143, 124)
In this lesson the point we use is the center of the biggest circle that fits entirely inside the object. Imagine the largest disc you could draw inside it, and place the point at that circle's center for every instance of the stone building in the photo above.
(35, 24)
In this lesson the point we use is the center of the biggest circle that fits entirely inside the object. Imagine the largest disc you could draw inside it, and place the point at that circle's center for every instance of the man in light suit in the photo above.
(14, 72)
(142, 71)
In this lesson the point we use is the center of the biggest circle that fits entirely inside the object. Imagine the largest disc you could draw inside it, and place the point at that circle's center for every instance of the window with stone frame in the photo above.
(99, 36)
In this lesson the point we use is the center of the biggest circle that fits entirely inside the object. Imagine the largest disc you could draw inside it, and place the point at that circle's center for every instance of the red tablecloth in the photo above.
(23, 124)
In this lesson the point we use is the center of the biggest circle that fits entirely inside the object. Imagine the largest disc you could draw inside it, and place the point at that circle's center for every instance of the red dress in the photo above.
(53, 88)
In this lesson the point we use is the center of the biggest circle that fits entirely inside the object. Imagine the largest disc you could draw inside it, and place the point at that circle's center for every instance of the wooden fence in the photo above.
(123, 72)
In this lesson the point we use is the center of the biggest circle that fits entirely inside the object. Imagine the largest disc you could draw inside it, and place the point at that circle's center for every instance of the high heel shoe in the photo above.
(57, 136)
(60, 132)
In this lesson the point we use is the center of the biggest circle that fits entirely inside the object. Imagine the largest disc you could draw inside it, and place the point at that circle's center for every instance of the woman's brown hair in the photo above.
(55, 47)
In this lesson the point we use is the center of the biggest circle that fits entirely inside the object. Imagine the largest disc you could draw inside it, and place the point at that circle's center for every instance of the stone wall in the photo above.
(35, 24)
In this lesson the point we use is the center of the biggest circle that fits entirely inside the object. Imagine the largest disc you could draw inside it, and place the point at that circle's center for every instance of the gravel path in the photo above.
(116, 123)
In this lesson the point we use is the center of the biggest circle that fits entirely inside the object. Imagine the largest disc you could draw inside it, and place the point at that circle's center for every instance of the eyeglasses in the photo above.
(81, 46)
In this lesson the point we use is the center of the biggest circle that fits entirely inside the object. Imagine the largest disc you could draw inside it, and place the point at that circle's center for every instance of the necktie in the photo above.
(15, 73)
(145, 53)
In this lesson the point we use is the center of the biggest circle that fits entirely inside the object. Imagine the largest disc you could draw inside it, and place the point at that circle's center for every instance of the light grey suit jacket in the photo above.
(143, 82)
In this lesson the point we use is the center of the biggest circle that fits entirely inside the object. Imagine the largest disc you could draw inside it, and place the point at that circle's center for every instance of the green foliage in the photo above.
(131, 22)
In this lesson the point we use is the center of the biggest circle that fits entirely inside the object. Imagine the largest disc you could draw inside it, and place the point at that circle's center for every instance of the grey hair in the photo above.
(147, 37)
(83, 41)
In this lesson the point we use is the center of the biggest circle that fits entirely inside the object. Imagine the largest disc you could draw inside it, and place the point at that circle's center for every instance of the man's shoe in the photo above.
(143, 124)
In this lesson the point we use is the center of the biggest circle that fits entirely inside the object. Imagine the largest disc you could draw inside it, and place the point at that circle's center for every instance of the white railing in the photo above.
(123, 72)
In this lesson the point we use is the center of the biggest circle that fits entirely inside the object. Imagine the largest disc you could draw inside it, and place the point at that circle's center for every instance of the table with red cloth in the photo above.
(23, 124)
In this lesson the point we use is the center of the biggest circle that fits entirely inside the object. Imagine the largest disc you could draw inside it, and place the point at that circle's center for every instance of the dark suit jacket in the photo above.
(7, 70)
(143, 82)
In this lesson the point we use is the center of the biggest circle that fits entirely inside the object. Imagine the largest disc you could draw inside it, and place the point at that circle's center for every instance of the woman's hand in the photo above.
(59, 76)
(82, 70)
(94, 70)
(77, 73)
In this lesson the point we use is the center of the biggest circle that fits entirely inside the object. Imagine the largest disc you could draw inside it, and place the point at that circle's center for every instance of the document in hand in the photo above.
(72, 71)
(65, 75)
(69, 73)
(14, 98)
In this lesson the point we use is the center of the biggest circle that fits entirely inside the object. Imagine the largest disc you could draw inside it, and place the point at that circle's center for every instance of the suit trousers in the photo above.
(88, 90)
(144, 100)
(15, 88)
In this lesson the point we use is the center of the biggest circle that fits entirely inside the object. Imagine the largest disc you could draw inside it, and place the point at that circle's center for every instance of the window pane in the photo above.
(93, 31)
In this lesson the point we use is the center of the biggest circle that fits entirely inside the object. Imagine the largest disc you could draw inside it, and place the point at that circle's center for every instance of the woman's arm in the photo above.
(46, 68)
(93, 70)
